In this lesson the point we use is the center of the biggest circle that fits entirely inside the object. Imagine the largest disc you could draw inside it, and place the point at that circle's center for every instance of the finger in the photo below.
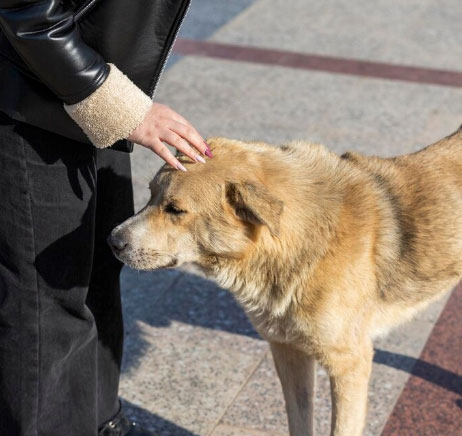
(190, 134)
(197, 140)
(163, 152)
(182, 145)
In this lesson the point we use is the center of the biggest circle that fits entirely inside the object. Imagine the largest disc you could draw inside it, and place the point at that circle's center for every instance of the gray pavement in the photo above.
(193, 363)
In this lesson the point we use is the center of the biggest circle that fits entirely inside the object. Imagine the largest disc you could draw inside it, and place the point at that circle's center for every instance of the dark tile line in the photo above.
(331, 64)
(431, 401)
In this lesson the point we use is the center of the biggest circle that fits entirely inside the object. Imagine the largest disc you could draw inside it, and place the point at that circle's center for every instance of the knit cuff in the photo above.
(111, 112)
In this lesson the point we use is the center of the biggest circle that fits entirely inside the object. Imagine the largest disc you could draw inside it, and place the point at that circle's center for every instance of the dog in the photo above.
(324, 252)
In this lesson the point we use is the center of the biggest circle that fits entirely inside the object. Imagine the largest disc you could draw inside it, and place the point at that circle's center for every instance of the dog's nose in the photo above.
(116, 242)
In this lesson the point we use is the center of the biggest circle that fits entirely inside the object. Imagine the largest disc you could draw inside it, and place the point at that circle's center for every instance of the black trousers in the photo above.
(60, 316)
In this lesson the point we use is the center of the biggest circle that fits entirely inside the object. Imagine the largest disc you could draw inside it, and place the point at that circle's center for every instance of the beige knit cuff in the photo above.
(111, 112)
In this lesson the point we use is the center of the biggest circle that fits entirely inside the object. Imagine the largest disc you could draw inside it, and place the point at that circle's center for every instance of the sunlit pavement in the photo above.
(381, 77)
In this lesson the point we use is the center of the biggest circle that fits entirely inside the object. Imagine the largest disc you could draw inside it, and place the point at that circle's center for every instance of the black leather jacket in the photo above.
(55, 51)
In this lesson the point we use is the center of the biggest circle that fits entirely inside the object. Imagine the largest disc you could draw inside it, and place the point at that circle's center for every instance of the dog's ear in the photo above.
(252, 203)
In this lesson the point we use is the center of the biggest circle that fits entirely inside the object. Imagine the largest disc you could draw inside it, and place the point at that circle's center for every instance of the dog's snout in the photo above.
(116, 241)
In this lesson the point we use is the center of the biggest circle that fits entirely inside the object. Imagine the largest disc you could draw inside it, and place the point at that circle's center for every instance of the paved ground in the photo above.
(353, 75)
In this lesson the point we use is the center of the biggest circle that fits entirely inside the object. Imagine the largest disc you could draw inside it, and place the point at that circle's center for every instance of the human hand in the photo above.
(162, 124)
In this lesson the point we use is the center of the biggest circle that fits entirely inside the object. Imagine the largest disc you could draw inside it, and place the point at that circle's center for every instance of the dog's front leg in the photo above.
(349, 372)
(296, 371)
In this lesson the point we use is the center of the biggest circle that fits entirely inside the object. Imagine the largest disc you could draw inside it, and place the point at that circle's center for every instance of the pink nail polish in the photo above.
(200, 159)
(181, 167)
(208, 153)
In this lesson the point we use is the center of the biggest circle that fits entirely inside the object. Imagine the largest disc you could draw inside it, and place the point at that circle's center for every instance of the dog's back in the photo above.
(424, 191)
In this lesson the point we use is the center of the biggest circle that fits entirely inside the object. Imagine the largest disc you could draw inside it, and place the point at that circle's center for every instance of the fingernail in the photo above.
(181, 167)
(208, 153)
(200, 159)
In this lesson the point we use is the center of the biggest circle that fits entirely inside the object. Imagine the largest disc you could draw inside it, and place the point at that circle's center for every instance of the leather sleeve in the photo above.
(46, 37)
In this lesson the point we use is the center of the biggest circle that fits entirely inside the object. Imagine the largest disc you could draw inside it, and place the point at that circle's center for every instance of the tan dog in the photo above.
(324, 252)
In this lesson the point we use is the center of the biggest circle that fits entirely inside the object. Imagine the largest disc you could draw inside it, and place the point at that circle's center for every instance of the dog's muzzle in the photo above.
(116, 241)
(137, 257)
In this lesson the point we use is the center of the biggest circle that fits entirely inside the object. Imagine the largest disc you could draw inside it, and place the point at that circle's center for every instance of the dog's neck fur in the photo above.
(273, 263)
(268, 279)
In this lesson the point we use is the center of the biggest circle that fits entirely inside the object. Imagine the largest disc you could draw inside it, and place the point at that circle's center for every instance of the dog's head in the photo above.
(216, 210)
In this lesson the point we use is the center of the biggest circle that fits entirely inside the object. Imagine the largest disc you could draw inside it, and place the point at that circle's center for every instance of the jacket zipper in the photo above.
(156, 78)
(84, 9)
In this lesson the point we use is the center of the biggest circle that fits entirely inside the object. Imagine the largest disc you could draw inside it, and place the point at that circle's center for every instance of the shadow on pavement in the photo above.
(163, 297)
(153, 422)
(419, 368)
(166, 297)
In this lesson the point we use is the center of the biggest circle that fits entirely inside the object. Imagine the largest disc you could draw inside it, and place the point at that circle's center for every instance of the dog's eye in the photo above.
(173, 210)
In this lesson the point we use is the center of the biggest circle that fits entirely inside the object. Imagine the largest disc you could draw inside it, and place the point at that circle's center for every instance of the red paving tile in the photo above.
(329, 64)
(431, 402)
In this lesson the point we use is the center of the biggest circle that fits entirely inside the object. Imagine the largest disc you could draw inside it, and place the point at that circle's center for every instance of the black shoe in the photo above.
(122, 426)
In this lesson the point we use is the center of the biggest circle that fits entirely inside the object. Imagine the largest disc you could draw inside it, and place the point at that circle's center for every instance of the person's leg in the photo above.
(48, 337)
(114, 204)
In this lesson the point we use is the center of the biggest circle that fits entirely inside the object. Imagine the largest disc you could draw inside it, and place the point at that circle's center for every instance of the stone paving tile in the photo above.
(369, 115)
(205, 89)
(260, 404)
(207, 16)
(347, 113)
(187, 380)
(141, 291)
(153, 421)
(394, 358)
(411, 32)
(430, 403)
(226, 430)
(143, 287)
(186, 355)
(432, 313)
